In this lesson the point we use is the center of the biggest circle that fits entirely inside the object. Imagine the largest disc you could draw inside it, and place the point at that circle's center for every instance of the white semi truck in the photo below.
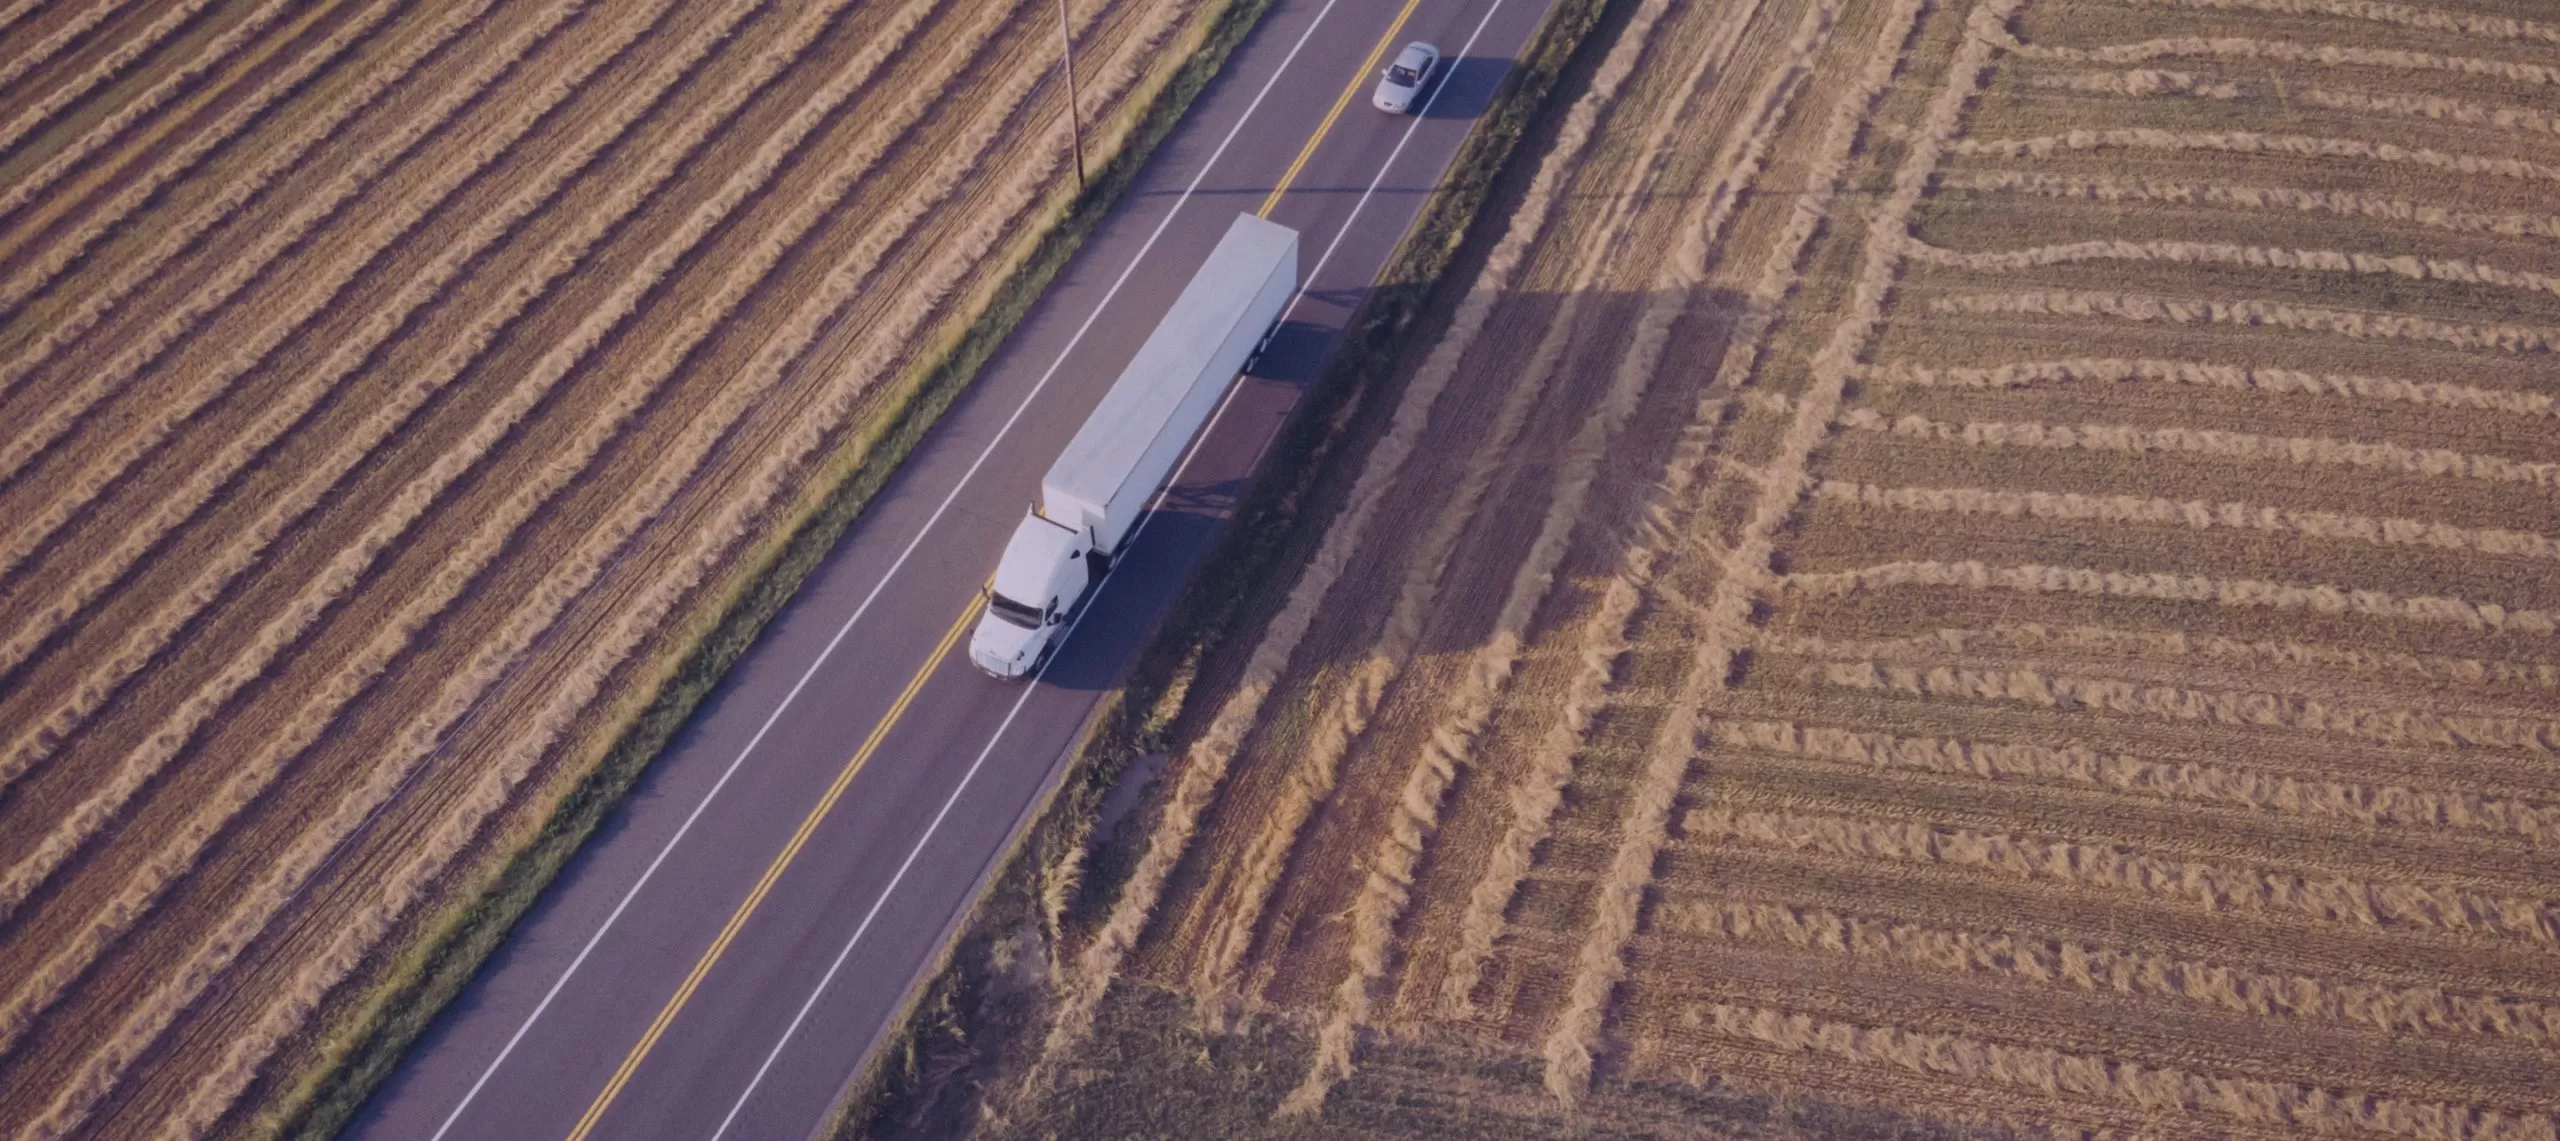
(1092, 497)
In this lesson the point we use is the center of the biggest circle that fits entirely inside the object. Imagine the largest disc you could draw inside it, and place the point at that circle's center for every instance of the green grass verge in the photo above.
(968, 1030)
(372, 1030)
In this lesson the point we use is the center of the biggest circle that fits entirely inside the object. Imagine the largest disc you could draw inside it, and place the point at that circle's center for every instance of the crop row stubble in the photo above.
(2032, 578)
(134, 191)
(1347, 715)
(2255, 313)
(2159, 1089)
(54, 41)
(225, 50)
(2066, 960)
(1726, 627)
(1206, 763)
(2341, 203)
(2285, 51)
(2150, 82)
(2240, 785)
(1386, 888)
(2120, 644)
(1539, 791)
(2172, 252)
(188, 316)
(146, 641)
(2169, 879)
(113, 461)
(252, 778)
(2254, 143)
(2229, 377)
(2155, 511)
(2126, 439)
(2475, 24)
(639, 620)
(115, 61)
(2255, 709)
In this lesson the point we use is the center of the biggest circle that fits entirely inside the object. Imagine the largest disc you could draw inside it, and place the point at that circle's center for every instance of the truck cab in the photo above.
(1043, 572)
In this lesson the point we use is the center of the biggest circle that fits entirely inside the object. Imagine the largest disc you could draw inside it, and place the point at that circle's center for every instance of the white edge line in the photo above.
(793, 694)
(1033, 682)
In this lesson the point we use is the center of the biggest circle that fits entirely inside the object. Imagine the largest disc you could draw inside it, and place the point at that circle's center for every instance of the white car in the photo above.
(1404, 78)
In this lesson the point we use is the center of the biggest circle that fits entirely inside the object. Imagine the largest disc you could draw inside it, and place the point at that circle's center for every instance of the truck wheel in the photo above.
(1096, 565)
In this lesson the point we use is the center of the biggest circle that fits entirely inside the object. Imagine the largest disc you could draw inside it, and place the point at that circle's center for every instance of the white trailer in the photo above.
(1097, 489)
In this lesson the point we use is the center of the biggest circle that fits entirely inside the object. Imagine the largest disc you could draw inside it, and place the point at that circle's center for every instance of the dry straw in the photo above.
(318, 125)
(2242, 708)
(2341, 203)
(2236, 785)
(734, 520)
(2167, 587)
(1725, 626)
(43, 50)
(2148, 82)
(176, 506)
(2203, 885)
(2286, 51)
(2125, 439)
(2110, 969)
(2253, 313)
(2154, 1089)
(249, 781)
(1347, 716)
(273, 242)
(147, 640)
(127, 51)
(1205, 766)
(2232, 378)
(1539, 791)
(2478, 25)
(2111, 642)
(2171, 252)
(634, 624)
(2195, 514)
(2255, 143)
(1387, 888)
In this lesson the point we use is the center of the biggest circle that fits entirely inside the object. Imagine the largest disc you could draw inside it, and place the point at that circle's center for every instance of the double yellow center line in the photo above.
(772, 872)
(897, 709)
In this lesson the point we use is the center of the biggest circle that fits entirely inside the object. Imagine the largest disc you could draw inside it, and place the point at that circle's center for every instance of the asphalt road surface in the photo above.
(719, 960)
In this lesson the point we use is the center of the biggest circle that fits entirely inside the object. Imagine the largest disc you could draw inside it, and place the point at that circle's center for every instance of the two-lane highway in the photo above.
(721, 957)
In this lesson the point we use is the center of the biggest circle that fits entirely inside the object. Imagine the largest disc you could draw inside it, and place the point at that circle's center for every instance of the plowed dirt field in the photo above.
(1989, 560)
(390, 392)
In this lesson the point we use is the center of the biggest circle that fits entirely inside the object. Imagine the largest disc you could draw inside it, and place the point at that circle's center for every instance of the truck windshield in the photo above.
(1027, 617)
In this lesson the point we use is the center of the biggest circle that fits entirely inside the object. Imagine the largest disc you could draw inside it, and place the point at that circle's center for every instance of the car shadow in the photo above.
(1462, 88)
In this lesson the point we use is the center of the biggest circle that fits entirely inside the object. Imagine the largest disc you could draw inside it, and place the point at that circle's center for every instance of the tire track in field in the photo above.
(1727, 627)
(1386, 888)
(1539, 792)
(254, 775)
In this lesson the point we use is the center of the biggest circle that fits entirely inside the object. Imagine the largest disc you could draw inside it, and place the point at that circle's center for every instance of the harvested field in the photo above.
(1993, 559)
(390, 393)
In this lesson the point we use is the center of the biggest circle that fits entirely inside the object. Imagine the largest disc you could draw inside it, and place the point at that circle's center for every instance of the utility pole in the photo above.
(1075, 130)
